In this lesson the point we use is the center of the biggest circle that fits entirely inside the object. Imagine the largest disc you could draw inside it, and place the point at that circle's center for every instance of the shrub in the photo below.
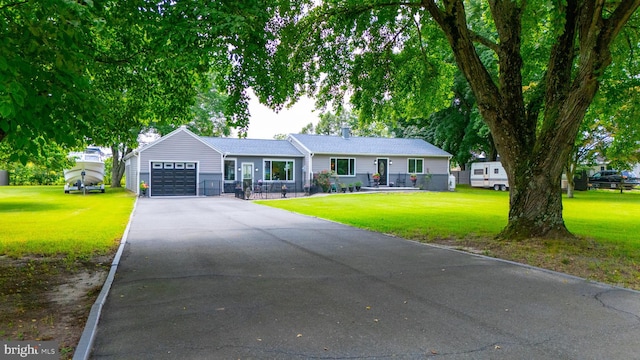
(323, 179)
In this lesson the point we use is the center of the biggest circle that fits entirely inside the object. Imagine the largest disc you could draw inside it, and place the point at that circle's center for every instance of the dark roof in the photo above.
(354, 145)
(253, 147)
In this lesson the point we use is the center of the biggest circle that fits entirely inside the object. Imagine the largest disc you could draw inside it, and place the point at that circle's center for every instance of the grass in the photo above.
(606, 224)
(47, 239)
(44, 221)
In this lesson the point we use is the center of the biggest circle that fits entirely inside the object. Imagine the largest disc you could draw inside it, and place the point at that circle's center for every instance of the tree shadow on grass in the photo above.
(28, 206)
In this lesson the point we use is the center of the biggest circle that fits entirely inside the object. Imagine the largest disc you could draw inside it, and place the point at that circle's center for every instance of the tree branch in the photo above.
(614, 24)
(475, 37)
(422, 49)
(17, 3)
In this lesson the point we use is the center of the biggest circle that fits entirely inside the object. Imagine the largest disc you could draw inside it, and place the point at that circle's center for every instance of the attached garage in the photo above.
(178, 164)
(170, 178)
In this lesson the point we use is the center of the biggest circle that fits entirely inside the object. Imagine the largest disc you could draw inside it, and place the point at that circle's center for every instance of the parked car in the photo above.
(613, 179)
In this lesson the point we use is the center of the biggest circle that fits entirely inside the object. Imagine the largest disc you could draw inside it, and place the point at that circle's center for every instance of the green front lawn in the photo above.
(606, 223)
(43, 220)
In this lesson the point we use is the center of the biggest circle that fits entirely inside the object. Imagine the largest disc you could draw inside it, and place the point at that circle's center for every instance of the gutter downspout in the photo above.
(137, 184)
(310, 170)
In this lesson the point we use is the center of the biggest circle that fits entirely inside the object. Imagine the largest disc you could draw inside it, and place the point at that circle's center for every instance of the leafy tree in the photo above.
(43, 168)
(457, 129)
(102, 72)
(44, 90)
(534, 68)
(332, 124)
(209, 117)
(308, 129)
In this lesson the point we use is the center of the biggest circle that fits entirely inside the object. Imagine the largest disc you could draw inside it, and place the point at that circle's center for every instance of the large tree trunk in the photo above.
(535, 140)
(535, 206)
(117, 171)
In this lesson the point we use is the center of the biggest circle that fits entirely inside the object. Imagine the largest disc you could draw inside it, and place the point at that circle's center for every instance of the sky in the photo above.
(264, 123)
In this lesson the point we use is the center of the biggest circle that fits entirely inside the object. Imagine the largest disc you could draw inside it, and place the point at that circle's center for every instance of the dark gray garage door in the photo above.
(173, 178)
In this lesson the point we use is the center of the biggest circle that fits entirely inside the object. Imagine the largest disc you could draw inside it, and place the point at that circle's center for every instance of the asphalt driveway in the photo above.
(221, 278)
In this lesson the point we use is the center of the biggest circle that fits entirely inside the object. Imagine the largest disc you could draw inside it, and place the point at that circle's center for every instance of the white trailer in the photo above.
(489, 174)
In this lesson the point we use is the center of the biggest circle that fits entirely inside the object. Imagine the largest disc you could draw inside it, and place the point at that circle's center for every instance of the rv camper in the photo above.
(489, 174)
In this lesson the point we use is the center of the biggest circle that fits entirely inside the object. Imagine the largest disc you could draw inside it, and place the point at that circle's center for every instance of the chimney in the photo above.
(346, 131)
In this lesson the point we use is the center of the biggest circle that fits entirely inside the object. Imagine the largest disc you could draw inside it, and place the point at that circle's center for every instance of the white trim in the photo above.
(235, 166)
(308, 157)
(355, 165)
(409, 168)
(285, 160)
(173, 133)
(386, 171)
(242, 172)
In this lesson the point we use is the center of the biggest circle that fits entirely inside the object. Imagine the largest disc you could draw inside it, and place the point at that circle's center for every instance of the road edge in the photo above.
(85, 345)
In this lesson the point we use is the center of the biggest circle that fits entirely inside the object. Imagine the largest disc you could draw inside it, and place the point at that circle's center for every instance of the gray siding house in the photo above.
(271, 162)
(184, 164)
(358, 158)
(178, 164)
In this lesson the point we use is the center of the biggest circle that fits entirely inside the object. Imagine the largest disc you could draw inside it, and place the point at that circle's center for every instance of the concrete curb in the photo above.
(85, 345)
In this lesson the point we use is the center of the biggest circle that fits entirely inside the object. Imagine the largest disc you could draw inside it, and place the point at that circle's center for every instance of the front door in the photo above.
(247, 175)
(383, 171)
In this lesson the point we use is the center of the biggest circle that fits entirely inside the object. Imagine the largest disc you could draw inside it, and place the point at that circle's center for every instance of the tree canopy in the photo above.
(101, 71)
(44, 91)
(534, 68)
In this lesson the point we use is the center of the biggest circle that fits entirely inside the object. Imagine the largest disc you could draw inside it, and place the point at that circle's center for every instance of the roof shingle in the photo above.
(253, 147)
(353, 145)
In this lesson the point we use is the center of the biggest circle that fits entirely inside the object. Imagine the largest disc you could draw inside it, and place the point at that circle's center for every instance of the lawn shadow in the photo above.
(30, 206)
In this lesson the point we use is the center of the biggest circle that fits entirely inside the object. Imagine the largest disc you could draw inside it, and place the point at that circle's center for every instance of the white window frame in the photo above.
(352, 171)
(415, 160)
(292, 171)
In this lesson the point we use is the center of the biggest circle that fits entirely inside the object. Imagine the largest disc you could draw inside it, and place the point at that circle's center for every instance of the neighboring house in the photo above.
(184, 164)
(602, 164)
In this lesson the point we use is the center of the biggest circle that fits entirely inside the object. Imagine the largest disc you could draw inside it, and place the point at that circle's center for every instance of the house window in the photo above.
(278, 170)
(230, 170)
(416, 166)
(343, 166)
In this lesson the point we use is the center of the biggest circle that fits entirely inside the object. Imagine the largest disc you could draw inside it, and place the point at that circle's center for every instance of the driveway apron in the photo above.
(222, 278)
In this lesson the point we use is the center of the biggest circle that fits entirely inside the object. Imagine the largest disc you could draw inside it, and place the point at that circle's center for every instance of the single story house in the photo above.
(184, 164)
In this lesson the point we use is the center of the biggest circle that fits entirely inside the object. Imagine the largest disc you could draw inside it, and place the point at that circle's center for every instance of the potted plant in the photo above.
(376, 179)
(343, 187)
(351, 187)
(143, 188)
(413, 178)
(284, 190)
(358, 185)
